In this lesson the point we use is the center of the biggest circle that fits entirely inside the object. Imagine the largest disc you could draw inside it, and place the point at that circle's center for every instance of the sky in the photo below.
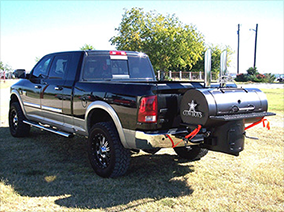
(32, 29)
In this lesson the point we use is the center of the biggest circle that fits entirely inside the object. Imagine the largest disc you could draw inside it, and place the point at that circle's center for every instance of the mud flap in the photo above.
(227, 138)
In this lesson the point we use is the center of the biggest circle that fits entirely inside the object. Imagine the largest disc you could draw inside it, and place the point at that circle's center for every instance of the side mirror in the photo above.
(20, 73)
(207, 68)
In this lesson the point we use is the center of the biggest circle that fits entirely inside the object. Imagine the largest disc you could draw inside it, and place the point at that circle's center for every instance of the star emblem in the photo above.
(192, 106)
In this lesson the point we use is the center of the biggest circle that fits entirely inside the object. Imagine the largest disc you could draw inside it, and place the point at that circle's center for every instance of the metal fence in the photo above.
(179, 75)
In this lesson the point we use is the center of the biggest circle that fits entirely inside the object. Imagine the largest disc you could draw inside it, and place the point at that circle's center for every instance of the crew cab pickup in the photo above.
(114, 99)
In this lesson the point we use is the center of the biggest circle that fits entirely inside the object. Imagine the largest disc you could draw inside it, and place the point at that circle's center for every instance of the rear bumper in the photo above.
(164, 139)
(174, 137)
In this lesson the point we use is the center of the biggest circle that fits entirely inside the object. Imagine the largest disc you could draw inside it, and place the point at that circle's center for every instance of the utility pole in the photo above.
(256, 29)
(238, 53)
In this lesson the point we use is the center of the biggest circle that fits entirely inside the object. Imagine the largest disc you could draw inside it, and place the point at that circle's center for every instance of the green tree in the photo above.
(87, 47)
(37, 59)
(1, 66)
(6, 67)
(168, 42)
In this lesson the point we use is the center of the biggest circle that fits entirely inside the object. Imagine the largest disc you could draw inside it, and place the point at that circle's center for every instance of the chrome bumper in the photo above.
(166, 139)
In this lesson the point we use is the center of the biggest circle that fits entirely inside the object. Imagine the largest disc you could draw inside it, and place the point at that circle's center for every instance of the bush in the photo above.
(241, 78)
(270, 77)
(254, 76)
(252, 71)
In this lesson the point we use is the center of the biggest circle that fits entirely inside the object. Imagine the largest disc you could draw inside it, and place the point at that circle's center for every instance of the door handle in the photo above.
(37, 87)
(58, 88)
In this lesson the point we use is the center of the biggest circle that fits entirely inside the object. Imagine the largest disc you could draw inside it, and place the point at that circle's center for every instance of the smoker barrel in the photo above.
(211, 107)
(223, 112)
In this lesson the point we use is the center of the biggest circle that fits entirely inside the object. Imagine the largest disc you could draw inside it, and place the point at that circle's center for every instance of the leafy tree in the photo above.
(6, 67)
(87, 47)
(37, 59)
(169, 43)
(1, 66)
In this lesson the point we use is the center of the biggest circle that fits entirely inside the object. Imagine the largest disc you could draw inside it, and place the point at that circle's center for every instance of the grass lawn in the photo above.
(45, 172)
(7, 83)
(275, 99)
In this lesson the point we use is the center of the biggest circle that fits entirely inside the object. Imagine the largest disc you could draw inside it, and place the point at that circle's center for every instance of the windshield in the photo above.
(102, 67)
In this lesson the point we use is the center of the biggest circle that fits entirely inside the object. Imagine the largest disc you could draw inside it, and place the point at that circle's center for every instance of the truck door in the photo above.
(31, 91)
(52, 90)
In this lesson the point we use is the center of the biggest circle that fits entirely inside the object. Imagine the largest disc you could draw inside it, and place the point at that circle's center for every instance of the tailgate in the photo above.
(169, 98)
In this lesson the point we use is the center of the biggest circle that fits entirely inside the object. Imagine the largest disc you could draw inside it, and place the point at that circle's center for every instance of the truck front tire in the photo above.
(16, 117)
(192, 153)
(107, 155)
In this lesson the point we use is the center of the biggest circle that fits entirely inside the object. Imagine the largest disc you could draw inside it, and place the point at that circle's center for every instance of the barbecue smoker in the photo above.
(217, 116)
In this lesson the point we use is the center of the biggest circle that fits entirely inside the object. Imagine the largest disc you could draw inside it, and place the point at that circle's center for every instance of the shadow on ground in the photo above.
(44, 164)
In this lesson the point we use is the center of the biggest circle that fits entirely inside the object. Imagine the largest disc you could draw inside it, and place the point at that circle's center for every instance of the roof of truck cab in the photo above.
(106, 52)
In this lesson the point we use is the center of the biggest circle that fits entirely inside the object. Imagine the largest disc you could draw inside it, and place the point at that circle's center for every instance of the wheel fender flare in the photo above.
(18, 96)
(106, 107)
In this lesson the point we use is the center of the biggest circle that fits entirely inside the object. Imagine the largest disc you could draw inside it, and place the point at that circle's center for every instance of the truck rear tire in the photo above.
(16, 125)
(193, 153)
(107, 155)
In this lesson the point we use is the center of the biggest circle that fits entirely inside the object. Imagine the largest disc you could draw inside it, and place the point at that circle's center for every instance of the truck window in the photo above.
(119, 67)
(41, 69)
(59, 67)
(101, 67)
(140, 68)
(96, 67)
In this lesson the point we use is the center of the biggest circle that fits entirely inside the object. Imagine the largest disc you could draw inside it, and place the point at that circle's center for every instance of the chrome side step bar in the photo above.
(65, 134)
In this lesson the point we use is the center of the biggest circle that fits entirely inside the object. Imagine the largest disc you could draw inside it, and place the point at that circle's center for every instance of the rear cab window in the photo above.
(117, 65)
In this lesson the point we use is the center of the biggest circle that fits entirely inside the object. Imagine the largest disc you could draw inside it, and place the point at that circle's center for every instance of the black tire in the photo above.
(193, 153)
(107, 155)
(16, 117)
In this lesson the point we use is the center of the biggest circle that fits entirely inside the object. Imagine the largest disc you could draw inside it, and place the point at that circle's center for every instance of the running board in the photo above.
(67, 135)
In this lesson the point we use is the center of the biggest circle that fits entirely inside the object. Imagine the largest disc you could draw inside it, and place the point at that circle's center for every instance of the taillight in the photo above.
(148, 110)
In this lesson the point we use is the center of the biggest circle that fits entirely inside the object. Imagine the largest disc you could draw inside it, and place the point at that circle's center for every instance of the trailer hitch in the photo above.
(250, 137)
(188, 138)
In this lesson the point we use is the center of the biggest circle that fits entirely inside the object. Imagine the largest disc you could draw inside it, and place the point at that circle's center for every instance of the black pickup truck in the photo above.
(114, 99)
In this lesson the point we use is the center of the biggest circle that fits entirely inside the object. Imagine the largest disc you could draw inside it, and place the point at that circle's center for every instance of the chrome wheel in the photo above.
(14, 118)
(107, 155)
(102, 150)
(16, 121)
